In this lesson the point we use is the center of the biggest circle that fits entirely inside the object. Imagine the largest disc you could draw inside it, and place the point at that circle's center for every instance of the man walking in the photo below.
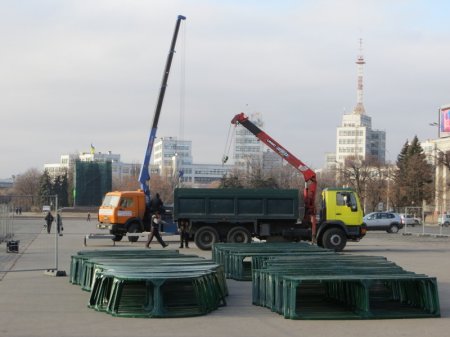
(156, 221)
(48, 220)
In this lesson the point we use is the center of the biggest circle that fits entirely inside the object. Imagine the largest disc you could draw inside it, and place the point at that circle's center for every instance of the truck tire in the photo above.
(334, 238)
(205, 237)
(239, 235)
(133, 228)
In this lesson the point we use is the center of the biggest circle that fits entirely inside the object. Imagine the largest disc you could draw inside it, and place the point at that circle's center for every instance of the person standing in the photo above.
(156, 204)
(88, 217)
(59, 224)
(154, 232)
(48, 220)
(184, 233)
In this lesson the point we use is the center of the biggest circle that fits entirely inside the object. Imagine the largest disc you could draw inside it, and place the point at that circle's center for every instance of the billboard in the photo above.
(444, 121)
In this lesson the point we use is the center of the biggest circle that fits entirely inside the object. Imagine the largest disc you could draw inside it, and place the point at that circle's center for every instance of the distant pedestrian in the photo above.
(184, 233)
(154, 231)
(20, 210)
(48, 220)
(59, 224)
(88, 217)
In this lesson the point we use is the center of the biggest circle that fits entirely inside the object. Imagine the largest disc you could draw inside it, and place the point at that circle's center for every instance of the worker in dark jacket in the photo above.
(184, 233)
(154, 231)
(48, 220)
(59, 224)
(156, 204)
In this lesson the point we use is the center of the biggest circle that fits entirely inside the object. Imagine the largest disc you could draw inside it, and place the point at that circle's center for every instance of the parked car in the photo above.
(384, 221)
(410, 220)
(444, 220)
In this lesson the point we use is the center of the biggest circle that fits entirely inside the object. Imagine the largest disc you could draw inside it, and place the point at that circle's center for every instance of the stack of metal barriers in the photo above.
(143, 283)
(309, 283)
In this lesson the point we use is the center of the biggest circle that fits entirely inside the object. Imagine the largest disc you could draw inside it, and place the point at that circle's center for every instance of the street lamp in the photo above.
(436, 124)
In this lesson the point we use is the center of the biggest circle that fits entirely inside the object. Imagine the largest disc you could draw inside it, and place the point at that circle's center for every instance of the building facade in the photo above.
(437, 152)
(173, 158)
(248, 150)
(119, 169)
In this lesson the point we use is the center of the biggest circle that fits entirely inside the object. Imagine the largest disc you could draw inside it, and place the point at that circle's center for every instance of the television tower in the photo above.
(359, 108)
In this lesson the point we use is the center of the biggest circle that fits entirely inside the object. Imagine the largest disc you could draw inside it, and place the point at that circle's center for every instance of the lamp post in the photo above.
(439, 130)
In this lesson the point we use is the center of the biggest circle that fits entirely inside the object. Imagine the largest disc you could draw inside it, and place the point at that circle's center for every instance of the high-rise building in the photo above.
(173, 158)
(248, 150)
(355, 137)
(171, 154)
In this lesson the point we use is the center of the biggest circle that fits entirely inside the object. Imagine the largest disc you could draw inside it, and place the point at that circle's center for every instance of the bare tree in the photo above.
(365, 177)
(443, 158)
(128, 183)
(28, 184)
(164, 186)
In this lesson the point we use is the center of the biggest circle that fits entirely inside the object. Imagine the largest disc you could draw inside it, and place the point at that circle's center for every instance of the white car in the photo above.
(385, 221)
(410, 220)
(444, 220)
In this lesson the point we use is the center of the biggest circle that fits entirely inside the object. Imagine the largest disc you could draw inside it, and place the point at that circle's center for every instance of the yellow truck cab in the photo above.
(122, 212)
(341, 218)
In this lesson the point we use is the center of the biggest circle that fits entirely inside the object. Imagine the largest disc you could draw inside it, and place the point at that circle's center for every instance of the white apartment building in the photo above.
(170, 154)
(433, 149)
(248, 150)
(355, 138)
(173, 158)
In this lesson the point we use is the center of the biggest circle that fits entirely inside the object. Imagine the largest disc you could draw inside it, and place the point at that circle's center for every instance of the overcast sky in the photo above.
(77, 72)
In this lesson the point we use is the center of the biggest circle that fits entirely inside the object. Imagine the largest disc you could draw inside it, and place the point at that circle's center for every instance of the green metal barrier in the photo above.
(300, 281)
(143, 283)
(164, 294)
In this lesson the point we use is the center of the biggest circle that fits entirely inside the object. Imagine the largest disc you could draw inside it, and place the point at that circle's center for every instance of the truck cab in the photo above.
(122, 212)
(341, 218)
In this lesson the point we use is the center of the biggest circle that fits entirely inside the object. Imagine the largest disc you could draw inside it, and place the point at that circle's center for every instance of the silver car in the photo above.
(383, 221)
(410, 220)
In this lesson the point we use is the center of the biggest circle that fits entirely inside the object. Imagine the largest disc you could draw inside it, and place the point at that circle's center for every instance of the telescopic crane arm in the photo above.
(144, 175)
(309, 193)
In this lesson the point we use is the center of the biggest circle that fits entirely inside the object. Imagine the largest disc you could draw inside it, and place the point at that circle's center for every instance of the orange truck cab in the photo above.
(123, 212)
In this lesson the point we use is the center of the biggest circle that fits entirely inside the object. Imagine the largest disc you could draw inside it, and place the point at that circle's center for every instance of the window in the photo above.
(346, 199)
(111, 201)
(126, 202)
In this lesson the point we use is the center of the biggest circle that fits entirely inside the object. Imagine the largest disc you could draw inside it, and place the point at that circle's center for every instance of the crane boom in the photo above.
(144, 175)
(309, 193)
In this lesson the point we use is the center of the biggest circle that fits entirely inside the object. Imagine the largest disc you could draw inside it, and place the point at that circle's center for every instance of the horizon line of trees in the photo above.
(407, 183)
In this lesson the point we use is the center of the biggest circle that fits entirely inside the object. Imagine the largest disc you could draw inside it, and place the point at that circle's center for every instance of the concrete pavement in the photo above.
(35, 304)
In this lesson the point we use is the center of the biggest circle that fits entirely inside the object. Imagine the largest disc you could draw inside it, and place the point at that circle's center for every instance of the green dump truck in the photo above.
(238, 215)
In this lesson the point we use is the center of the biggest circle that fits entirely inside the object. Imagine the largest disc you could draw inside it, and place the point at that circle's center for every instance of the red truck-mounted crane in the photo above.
(309, 193)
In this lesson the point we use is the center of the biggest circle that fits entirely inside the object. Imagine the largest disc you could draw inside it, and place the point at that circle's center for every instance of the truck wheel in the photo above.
(239, 235)
(334, 238)
(134, 228)
(117, 237)
(205, 237)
